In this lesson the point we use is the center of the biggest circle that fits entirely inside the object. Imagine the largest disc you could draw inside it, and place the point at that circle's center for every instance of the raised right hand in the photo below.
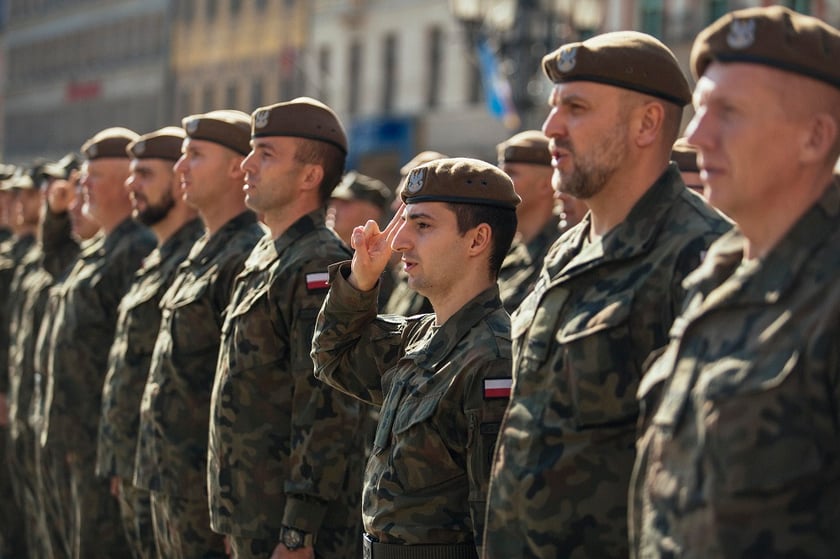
(372, 251)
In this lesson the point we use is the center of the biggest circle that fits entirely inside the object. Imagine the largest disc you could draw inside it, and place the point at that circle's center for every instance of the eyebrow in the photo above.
(415, 215)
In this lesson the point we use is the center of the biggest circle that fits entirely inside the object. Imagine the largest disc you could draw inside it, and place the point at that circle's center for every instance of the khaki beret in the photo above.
(685, 156)
(356, 186)
(303, 117)
(165, 143)
(530, 146)
(226, 127)
(110, 142)
(20, 180)
(421, 158)
(7, 171)
(626, 59)
(773, 36)
(460, 180)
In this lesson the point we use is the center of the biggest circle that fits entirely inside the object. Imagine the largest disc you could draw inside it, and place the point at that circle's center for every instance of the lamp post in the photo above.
(522, 32)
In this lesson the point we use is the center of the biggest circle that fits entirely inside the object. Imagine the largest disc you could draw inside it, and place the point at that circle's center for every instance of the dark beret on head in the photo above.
(530, 146)
(110, 142)
(460, 180)
(301, 118)
(626, 59)
(228, 128)
(356, 186)
(165, 143)
(773, 36)
(685, 156)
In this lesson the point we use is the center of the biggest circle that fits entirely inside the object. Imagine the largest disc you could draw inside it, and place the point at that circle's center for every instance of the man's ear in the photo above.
(482, 236)
(650, 118)
(819, 138)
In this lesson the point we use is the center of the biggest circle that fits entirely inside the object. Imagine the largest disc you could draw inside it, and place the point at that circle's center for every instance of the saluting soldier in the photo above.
(441, 380)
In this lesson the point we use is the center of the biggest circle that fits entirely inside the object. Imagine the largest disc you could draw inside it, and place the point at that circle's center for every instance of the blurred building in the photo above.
(74, 67)
(237, 54)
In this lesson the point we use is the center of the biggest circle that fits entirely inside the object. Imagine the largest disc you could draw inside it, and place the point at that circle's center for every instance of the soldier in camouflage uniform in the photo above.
(741, 452)
(284, 458)
(609, 290)
(171, 459)
(442, 380)
(525, 159)
(65, 230)
(155, 193)
(85, 320)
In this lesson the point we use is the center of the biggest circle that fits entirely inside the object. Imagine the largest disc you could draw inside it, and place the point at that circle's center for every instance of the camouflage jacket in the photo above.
(522, 264)
(175, 407)
(426, 479)
(138, 323)
(12, 252)
(84, 327)
(741, 455)
(280, 441)
(566, 449)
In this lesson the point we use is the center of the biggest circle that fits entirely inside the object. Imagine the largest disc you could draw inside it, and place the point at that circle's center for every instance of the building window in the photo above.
(261, 4)
(389, 71)
(256, 93)
(354, 74)
(235, 7)
(210, 9)
(184, 105)
(231, 100)
(186, 10)
(473, 73)
(653, 15)
(207, 101)
(324, 65)
(434, 58)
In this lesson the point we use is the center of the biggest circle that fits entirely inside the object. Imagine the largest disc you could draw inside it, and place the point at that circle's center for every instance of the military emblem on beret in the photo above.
(568, 58)
(415, 181)
(92, 150)
(140, 147)
(741, 33)
(261, 119)
(192, 126)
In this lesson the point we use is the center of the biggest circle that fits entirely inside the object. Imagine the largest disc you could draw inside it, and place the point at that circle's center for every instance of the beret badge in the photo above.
(567, 59)
(192, 126)
(261, 119)
(93, 151)
(741, 33)
(140, 147)
(415, 181)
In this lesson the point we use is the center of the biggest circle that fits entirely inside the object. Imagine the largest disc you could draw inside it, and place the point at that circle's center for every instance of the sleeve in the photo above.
(352, 346)
(487, 401)
(60, 248)
(323, 421)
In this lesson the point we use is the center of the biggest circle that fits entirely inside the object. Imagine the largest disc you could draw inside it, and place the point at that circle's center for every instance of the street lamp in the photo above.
(522, 32)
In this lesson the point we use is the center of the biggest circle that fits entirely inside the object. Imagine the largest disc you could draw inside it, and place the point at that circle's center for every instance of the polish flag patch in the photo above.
(497, 388)
(317, 281)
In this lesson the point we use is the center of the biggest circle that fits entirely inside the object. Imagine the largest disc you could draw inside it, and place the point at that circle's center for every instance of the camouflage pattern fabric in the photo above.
(128, 368)
(84, 326)
(741, 454)
(11, 254)
(522, 264)
(131, 354)
(284, 448)
(181, 528)
(136, 514)
(171, 455)
(426, 479)
(566, 450)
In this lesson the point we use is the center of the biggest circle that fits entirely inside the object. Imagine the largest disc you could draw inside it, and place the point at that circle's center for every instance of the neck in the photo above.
(177, 218)
(112, 221)
(764, 227)
(222, 211)
(279, 220)
(613, 203)
(447, 304)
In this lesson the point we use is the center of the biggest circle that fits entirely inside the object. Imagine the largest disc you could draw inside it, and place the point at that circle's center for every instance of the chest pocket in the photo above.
(759, 416)
(533, 326)
(599, 364)
(194, 324)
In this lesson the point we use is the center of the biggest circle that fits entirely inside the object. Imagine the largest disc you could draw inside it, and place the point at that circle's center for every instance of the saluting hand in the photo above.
(372, 251)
